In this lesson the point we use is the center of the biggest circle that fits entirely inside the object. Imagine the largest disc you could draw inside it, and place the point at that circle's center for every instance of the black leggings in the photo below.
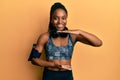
(57, 75)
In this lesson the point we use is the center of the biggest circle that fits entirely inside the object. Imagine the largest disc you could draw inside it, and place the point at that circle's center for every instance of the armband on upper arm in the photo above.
(34, 54)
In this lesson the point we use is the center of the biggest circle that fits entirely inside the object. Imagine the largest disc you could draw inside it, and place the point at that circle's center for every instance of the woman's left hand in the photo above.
(84, 37)
(68, 67)
(70, 31)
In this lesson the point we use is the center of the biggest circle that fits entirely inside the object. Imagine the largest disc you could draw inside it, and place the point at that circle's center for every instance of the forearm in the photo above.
(42, 63)
(92, 39)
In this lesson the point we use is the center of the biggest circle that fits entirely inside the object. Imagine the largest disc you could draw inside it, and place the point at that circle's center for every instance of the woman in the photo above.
(58, 43)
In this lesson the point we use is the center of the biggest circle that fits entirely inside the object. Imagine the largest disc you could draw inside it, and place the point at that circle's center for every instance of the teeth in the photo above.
(60, 25)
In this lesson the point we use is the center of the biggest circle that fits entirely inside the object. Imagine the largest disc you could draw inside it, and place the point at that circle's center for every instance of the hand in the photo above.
(70, 31)
(57, 65)
(68, 67)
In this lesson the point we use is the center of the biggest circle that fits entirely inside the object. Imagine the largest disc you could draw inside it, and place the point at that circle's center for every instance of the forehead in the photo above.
(59, 12)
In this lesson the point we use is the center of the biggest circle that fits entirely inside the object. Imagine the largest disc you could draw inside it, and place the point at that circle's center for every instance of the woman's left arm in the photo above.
(85, 37)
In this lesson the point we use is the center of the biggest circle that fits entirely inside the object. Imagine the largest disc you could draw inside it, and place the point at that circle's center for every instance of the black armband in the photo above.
(34, 54)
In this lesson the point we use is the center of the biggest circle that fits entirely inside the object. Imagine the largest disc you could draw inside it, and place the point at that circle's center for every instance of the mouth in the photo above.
(60, 26)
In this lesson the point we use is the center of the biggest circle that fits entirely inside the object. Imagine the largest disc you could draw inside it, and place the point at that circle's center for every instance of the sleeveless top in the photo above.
(54, 52)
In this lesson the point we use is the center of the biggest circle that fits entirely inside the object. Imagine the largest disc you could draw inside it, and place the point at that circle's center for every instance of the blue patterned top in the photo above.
(59, 52)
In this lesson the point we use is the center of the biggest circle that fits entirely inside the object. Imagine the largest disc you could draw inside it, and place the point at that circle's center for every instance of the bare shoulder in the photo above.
(73, 37)
(43, 38)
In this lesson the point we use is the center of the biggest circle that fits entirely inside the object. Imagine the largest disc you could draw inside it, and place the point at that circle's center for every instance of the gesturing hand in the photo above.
(70, 31)
(68, 67)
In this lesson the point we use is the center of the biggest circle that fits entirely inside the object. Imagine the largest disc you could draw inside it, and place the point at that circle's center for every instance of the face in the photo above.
(59, 19)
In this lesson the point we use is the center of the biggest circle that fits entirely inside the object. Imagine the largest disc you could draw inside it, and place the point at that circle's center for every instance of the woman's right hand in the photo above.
(57, 65)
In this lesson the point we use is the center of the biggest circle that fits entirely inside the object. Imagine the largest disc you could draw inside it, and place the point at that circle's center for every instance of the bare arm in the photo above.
(88, 38)
(85, 37)
(39, 47)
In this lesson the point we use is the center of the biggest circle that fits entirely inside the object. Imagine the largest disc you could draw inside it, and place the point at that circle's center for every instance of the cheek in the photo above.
(65, 21)
(54, 22)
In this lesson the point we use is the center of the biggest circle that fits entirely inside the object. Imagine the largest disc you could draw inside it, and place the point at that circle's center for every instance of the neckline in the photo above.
(59, 46)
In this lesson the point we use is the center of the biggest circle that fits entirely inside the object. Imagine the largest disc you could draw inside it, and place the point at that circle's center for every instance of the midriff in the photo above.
(59, 62)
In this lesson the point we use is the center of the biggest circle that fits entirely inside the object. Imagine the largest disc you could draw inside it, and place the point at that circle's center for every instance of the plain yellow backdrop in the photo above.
(22, 21)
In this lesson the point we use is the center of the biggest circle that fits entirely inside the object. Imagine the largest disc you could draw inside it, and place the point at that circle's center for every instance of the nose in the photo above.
(60, 21)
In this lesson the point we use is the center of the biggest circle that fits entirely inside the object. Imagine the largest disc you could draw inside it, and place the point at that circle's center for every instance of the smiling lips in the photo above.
(60, 25)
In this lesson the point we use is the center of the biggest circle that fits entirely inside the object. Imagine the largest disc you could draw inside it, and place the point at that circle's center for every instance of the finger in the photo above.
(68, 67)
(57, 65)
(66, 31)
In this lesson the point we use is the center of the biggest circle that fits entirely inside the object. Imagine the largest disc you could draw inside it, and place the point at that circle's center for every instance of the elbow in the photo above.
(34, 62)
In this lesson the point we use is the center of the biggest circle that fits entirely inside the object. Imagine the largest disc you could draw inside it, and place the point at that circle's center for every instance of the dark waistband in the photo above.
(57, 70)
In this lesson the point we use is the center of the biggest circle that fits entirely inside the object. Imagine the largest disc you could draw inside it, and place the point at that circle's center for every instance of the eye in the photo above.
(63, 18)
(55, 18)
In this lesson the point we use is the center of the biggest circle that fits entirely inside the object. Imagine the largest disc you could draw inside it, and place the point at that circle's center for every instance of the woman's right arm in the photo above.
(39, 47)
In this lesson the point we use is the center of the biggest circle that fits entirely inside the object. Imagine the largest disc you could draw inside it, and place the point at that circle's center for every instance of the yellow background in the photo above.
(22, 21)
